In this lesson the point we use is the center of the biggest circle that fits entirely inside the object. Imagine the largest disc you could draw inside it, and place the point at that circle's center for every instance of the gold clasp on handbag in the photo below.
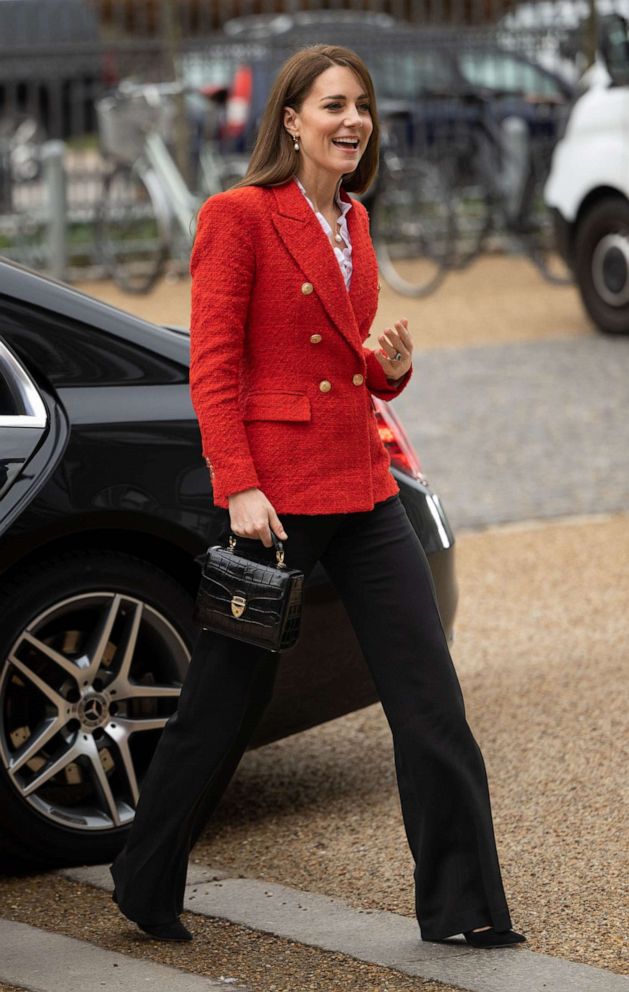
(238, 604)
(232, 542)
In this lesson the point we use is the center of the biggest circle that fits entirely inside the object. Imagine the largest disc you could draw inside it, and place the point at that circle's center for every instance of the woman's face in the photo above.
(333, 123)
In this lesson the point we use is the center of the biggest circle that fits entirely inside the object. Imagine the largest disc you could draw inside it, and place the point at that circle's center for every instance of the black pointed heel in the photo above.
(166, 931)
(160, 931)
(493, 938)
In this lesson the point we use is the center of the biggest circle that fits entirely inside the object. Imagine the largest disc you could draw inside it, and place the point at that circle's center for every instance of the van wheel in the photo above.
(602, 264)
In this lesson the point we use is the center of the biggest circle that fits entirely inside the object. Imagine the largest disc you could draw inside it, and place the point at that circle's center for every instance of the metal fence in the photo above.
(58, 58)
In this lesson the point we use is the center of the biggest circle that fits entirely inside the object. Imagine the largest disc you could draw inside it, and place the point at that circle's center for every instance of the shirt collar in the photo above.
(343, 205)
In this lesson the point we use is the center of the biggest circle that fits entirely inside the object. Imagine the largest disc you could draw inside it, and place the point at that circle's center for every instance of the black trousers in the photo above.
(379, 569)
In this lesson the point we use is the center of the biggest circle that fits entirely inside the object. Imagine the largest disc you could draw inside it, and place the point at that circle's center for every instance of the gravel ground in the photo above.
(523, 306)
(543, 612)
(220, 949)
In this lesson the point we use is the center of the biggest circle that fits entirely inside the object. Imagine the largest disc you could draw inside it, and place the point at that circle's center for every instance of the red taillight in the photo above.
(395, 439)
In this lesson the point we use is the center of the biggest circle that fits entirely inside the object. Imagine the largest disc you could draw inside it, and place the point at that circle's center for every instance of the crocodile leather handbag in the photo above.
(250, 600)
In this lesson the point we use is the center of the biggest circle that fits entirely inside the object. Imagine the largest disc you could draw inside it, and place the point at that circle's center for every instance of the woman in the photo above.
(284, 292)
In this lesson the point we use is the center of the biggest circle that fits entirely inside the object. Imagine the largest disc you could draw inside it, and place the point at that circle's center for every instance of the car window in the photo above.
(408, 75)
(33, 434)
(205, 69)
(20, 402)
(614, 34)
(69, 353)
(499, 71)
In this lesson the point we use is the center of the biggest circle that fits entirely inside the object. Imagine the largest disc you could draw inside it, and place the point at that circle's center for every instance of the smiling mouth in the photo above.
(348, 144)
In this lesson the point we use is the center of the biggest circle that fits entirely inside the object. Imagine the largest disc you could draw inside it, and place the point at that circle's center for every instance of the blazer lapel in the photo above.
(306, 242)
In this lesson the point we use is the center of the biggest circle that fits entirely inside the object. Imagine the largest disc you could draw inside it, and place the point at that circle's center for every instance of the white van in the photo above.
(588, 189)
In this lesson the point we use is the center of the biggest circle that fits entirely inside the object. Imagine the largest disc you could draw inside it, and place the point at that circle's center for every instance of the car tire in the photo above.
(602, 263)
(94, 646)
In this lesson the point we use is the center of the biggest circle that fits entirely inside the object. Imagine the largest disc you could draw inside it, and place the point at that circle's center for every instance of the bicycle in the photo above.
(148, 211)
(22, 201)
(412, 220)
(495, 173)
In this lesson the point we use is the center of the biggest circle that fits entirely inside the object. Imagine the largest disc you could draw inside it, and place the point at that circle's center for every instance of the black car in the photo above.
(104, 503)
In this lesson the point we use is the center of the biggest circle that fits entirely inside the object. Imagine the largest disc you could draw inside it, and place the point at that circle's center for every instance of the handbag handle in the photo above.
(277, 544)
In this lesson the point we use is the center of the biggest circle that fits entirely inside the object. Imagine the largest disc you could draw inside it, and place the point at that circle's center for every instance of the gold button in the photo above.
(358, 379)
(325, 386)
(315, 338)
(307, 288)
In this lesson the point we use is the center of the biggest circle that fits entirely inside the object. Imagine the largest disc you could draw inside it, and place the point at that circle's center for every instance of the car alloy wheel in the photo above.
(81, 703)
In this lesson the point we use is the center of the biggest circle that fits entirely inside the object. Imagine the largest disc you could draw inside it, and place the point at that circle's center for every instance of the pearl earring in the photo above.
(296, 143)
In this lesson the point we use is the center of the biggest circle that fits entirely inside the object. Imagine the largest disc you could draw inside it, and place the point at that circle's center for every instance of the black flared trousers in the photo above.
(378, 566)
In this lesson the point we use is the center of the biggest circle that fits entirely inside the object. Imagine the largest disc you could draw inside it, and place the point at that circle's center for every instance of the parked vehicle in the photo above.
(588, 189)
(485, 120)
(556, 33)
(494, 178)
(427, 67)
(445, 174)
(105, 502)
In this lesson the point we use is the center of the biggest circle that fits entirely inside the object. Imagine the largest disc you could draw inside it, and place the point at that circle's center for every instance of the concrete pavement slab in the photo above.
(382, 938)
(522, 431)
(99, 876)
(48, 962)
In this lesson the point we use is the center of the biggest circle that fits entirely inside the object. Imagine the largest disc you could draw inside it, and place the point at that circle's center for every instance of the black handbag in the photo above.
(250, 600)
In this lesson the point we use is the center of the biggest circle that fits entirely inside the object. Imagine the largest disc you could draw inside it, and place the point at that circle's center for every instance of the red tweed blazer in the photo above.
(279, 378)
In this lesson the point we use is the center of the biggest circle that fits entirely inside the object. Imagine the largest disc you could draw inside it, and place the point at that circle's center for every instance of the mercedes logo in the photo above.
(93, 710)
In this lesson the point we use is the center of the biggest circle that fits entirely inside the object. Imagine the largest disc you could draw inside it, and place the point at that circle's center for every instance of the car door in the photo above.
(33, 433)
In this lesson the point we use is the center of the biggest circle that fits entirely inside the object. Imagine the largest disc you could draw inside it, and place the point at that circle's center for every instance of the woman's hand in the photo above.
(251, 515)
(396, 340)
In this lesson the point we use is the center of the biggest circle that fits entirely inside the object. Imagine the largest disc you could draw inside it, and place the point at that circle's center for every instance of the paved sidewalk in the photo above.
(523, 431)
(48, 962)
(378, 937)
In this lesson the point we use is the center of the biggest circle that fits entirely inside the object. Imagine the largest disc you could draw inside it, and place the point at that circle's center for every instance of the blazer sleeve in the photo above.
(222, 266)
(377, 381)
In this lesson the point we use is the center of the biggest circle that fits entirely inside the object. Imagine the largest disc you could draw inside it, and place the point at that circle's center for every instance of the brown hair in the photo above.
(274, 160)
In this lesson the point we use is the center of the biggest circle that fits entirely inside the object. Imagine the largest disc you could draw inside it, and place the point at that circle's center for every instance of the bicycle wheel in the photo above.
(465, 163)
(412, 226)
(535, 227)
(132, 230)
